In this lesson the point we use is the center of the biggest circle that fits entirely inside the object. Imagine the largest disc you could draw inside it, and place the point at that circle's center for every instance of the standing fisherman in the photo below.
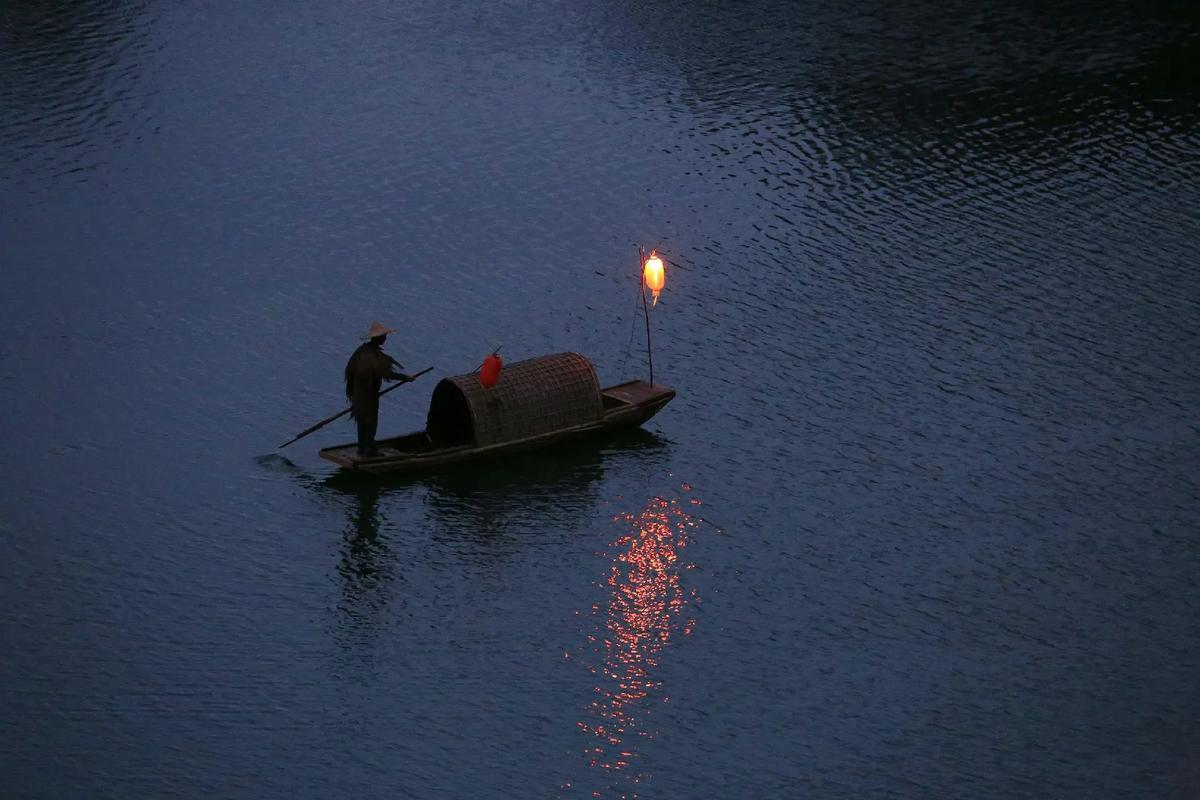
(365, 372)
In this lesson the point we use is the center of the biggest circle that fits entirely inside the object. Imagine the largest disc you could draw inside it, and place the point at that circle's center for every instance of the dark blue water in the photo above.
(921, 522)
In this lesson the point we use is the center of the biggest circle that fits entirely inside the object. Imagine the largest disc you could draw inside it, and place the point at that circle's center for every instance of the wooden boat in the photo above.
(537, 402)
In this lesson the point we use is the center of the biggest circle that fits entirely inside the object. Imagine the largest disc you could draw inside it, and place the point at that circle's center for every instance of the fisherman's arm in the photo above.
(394, 373)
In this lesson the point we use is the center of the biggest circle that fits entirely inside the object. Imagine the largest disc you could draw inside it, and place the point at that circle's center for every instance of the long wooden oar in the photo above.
(344, 412)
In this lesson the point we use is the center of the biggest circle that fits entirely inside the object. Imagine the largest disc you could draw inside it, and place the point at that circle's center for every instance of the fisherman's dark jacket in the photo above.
(365, 373)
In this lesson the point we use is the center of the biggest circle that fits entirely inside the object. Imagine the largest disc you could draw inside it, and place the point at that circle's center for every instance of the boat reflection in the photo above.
(366, 568)
(367, 565)
(646, 610)
(513, 496)
(476, 513)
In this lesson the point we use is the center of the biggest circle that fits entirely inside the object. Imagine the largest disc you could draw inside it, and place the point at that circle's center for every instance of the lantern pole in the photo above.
(645, 309)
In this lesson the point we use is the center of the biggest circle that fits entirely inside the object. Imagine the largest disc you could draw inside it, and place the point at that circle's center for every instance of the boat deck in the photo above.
(633, 392)
(414, 444)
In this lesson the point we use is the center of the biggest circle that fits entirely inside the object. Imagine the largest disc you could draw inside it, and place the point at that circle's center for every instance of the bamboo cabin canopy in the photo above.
(533, 397)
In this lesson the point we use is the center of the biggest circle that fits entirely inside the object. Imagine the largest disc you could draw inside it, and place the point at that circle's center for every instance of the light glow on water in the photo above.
(645, 611)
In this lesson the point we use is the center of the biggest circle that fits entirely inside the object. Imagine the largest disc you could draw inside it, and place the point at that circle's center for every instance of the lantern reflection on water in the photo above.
(643, 614)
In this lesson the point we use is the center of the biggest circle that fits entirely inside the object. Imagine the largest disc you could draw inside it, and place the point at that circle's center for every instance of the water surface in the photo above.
(921, 521)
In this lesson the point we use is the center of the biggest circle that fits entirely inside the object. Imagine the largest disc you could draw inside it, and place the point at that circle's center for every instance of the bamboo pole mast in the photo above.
(645, 309)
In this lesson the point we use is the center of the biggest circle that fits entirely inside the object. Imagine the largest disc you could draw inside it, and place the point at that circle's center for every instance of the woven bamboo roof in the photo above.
(535, 396)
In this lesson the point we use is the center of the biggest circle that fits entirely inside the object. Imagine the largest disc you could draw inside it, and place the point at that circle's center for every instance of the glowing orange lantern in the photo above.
(489, 373)
(654, 276)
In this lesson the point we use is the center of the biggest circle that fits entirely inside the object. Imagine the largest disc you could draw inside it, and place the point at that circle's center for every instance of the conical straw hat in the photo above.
(377, 329)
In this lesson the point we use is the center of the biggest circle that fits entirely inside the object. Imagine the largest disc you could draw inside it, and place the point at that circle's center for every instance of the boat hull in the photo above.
(626, 405)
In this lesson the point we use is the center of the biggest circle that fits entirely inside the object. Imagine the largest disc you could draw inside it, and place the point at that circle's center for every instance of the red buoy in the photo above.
(489, 373)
